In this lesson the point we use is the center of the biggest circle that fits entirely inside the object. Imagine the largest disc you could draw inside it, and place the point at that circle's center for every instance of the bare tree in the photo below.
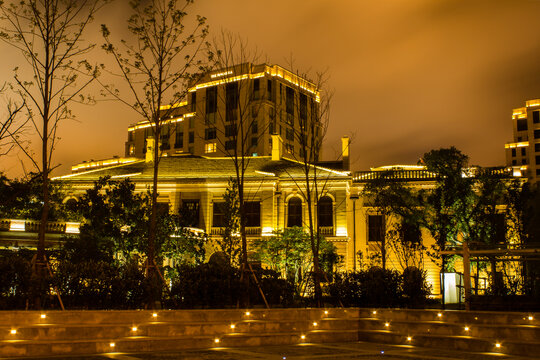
(157, 66)
(309, 105)
(49, 35)
(11, 125)
(236, 120)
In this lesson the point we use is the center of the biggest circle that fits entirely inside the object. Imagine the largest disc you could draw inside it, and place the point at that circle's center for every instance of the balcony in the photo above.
(326, 230)
(250, 231)
(53, 227)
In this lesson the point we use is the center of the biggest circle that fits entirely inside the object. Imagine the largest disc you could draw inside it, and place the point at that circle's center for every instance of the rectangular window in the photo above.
(130, 135)
(537, 172)
(376, 228)
(256, 89)
(231, 101)
(522, 125)
(537, 158)
(537, 147)
(536, 117)
(191, 122)
(230, 130)
(513, 152)
(210, 148)
(189, 213)
(289, 134)
(193, 101)
(514, 162)
(254, 141)
(271, 128)
(253, 213)
(230, 144)
(289, 100)
(211, 100)
(537, 134)
(523, 161)
(191, 137)
(303, 107)
(210, 133)
(179, 140)
(269, 94)
(523, 151)
(218, 214)
(254, 127)
(164, 138)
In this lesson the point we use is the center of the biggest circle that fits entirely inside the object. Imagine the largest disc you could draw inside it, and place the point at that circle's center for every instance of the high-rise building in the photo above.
(236, 108)
(523, 154)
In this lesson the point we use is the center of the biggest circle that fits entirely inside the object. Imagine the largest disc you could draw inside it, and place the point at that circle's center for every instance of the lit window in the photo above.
(210, 148)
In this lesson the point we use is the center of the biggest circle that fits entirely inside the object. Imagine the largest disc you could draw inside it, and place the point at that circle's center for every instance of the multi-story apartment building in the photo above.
(236, 109)
(523, 154)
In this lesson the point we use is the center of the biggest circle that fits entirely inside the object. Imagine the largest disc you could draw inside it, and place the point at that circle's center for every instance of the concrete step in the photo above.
(26, 348)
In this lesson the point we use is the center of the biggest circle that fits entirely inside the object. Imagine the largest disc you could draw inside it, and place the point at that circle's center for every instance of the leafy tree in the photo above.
(229, 244)
(49, 35)
(156, 67)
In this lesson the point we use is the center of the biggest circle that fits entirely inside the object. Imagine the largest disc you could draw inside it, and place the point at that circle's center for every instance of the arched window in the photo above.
(325, 213)
(294, 213)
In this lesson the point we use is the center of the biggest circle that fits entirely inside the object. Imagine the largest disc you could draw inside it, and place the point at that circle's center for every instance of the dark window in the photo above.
(376, 228)
(252, 210)
(524, 161)
(189, 213)
(537, 147)
(513, 152)
(218, 214)
(523, 151)
(498, 233)
(536, 117)
(254, 141)
(210, 133)
(514, 162)
(256, 89)
(303, 106)
(231, 101)
(537, 159)
(230, 144)
(411, 234)
(522, 124)
(271, 127)
(191, 137)
(325, 214)
(254, 127)
(211, 100)
(537, 134)
(230, 130)
(130, 135)
(193, 101)
(537, 172)
(294, 213)
(164, 136)
(289, 134)
(289, 100)
(269, 94)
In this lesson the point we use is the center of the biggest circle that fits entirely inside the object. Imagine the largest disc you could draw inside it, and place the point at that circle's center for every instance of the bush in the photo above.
(15, 279)
(415, 288)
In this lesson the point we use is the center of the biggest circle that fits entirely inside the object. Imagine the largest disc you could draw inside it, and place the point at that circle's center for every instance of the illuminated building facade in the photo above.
(234, 108)
(523, 154)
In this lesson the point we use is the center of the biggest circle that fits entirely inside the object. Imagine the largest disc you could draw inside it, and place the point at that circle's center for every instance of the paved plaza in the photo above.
(333, 351)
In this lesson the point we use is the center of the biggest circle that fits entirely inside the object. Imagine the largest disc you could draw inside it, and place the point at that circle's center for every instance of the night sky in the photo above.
(408, 75)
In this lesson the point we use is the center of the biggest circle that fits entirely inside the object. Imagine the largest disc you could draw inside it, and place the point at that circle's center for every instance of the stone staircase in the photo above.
(35, 334)
(50, 333)
(485, 332)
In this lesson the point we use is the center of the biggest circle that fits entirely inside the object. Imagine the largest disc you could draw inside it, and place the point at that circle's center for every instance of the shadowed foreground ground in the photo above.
(336, 351)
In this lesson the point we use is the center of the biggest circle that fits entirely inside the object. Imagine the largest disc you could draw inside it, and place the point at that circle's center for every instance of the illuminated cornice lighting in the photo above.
(532, 103)
(102, 163)
(398, 167)
(173, 106)
(125, 175)
(264, 173)
(516, 145)
(146, 124)
(221, 74)
(72, 227)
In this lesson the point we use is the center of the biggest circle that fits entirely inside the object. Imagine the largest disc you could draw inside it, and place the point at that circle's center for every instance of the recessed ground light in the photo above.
(13, 332)
(112, 344)
(439, 314)
(409, 338)
(466, 328)
(134, 329)
(387, 324)
(216, 340)
(233, 326)
(325, 312)
(303, 337)
(154, 315)
(315, 324)
(374, 312)
(498, 345)
(248, 313)
(531, 318)
(43, 316)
